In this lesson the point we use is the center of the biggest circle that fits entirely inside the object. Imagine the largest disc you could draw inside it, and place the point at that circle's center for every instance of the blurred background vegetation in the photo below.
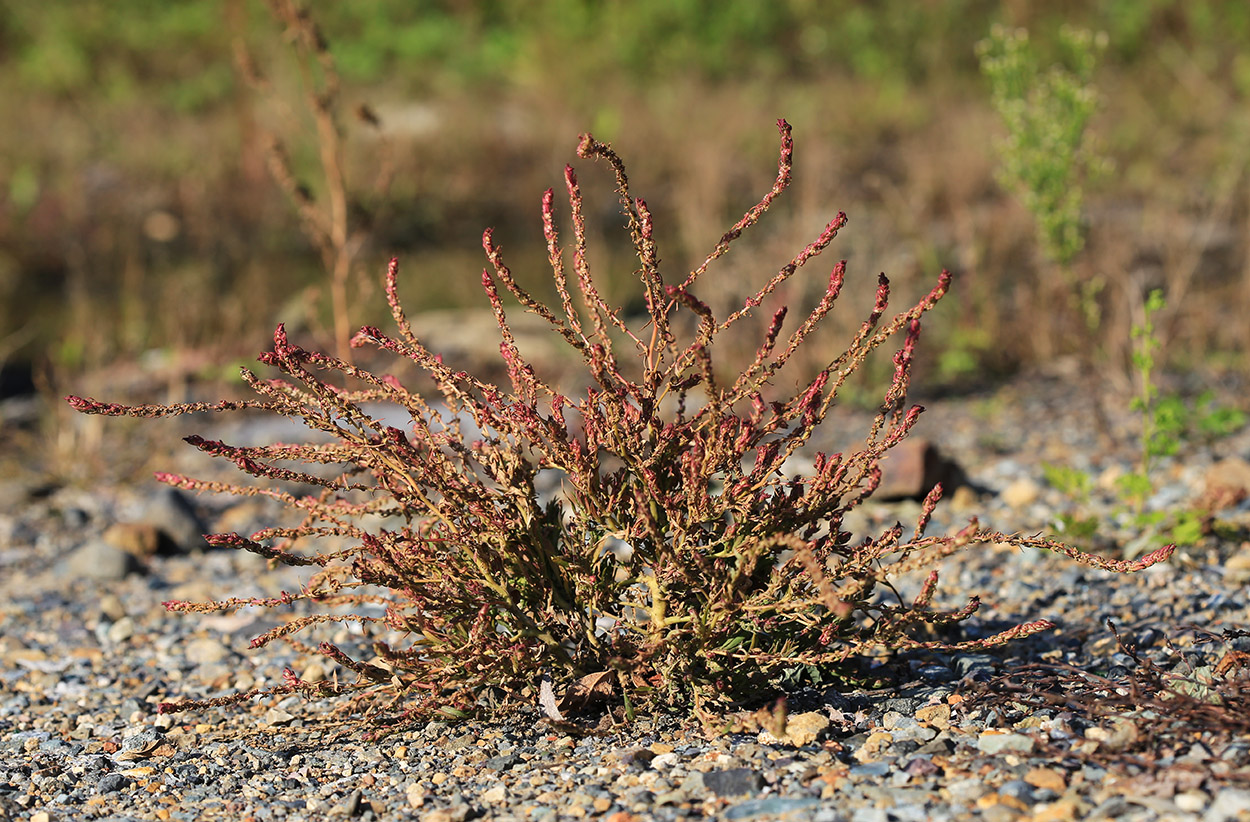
(139, 222)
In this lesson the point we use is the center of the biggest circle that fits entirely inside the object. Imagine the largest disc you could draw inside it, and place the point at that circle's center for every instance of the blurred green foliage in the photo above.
(137, 107)
(120, 48)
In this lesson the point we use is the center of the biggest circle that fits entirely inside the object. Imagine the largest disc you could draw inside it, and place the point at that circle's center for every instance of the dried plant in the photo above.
(326, 220)
(678, 566)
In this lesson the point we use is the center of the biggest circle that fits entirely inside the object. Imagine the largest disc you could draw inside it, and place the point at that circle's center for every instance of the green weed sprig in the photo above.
(1047, 156)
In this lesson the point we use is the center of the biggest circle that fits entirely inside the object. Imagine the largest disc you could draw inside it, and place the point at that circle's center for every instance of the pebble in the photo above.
(992, 742)
(772, 806)
(205, 651)
(1021, 493)
(170, 511)
(733, 781)
(1229, 805)
(102, 561)
(801, 729)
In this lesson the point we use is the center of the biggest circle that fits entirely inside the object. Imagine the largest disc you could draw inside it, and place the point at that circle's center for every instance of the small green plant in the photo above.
(1160, 424)
(680, 566)
(1077, 486)
(1046, 155)
(1166, 422)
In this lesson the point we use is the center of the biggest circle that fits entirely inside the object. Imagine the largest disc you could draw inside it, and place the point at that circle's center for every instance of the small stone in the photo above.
(1017, 789)
(866, 813)
(1228, 481)
(910, 469)
(1021, 493)
(1113, 807)
(205, 651)
(172, 513)
(968, 663)
(733, 782)
(967, 790)
(939, 716)
(496, 795)
(502, 763)
(139, 538)
(871, 769)
(99, 560)
(941, 746)
(278, 717)
(665, 761)
(1047, 779)
(121, 630)
(1191, 801)
(41, 816)
(921, 766)
(351, 806)
(1067, 809)
(934, 672)
(112, 608)
(415, 795)
(693, 783)
(992, 742)
(1237, 566)
(770, 806)
(111, 783)
(801, 729)
(1229, 805)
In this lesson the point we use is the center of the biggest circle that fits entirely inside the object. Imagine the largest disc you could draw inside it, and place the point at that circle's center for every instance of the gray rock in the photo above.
(734, 781)
(880, 768)
(205, 651)
(1112, 807)
(121, 630)
(772, 806)
(967, 663)
(99, 560)
(502, 763)
(992, 743)
(350, 806)
(869, 814)
(940, 746)
(693, 783)
(1019, 789)
(936, 673)
(1228, 805)
(111, 783)
(171, 512)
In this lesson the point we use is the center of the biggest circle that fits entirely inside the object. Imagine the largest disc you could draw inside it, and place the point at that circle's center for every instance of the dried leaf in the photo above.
(547, 700)
(588, 690)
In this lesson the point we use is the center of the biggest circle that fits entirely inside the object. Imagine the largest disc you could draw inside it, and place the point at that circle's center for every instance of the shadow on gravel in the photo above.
(1192, 720)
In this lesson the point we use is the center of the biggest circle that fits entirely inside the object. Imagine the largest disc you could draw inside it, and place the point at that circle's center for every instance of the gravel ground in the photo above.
(1066, 725)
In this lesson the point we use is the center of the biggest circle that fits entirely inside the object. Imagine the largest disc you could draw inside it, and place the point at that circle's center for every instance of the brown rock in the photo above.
(1047, 778)
(1237, 566)
(1063, 810)
(1022, 492)
(801, 729)
(911, 469)
(1227, 482)
(138, 538)
(939, 716)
